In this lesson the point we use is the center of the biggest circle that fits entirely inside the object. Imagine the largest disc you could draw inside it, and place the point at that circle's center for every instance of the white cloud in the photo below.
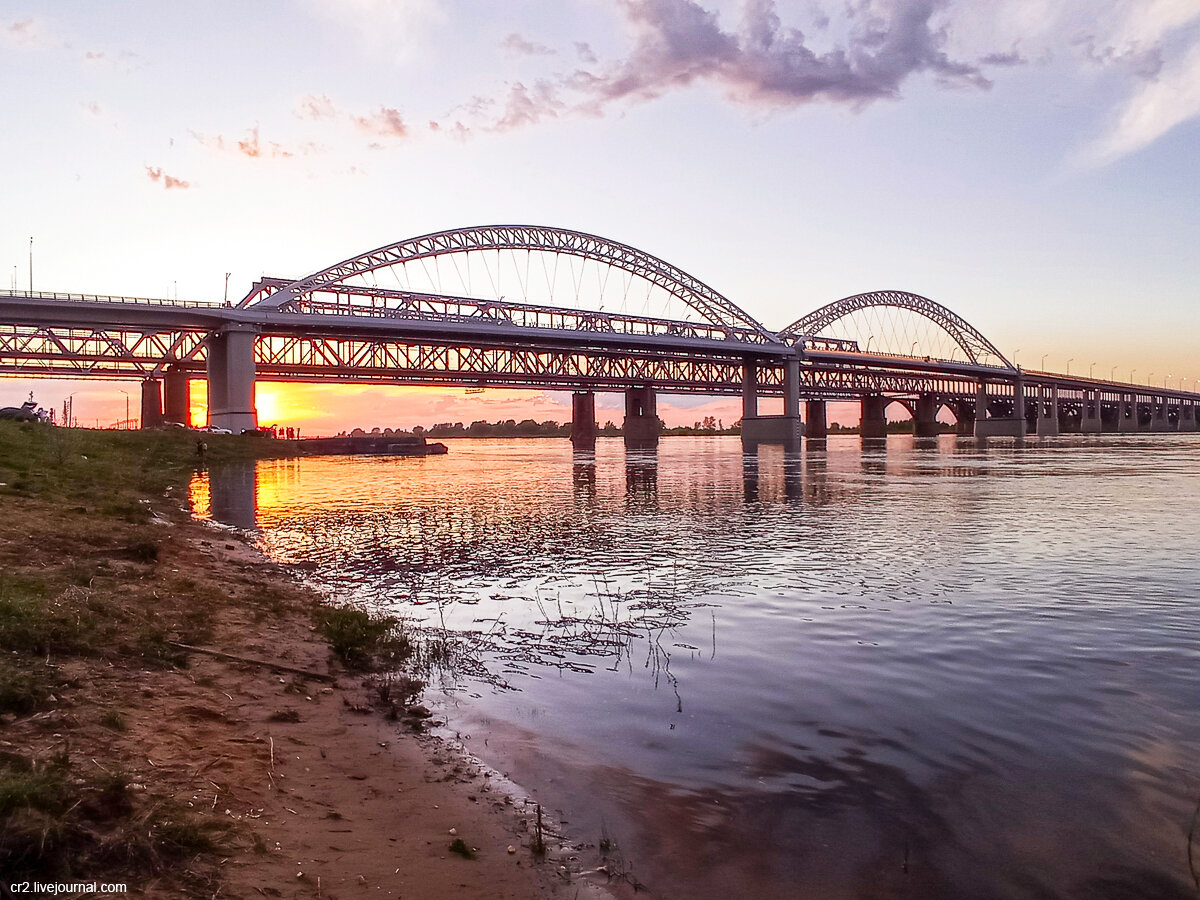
(1155, 107)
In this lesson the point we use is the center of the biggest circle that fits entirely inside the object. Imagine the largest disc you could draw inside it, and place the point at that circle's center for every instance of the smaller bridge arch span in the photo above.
(883, 312)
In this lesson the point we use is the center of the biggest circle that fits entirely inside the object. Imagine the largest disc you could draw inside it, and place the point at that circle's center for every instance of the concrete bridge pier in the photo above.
(816, 423)
(787, 429)
(231, 378)
(1127, 413)
(583, 420)
(177, 396)
(1089, 421)
(964, 414)
(925, 424)
(1007, 426)
(1047, 411)
(641, 419)
(1187, 417)
(1158, 414)
(152, 415)
(872, 423)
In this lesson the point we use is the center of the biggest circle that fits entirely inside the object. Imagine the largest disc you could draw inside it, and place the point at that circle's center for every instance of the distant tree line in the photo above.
(530, 428)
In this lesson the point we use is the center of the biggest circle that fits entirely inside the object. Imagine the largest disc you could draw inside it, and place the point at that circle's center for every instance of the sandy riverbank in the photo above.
(203, 776)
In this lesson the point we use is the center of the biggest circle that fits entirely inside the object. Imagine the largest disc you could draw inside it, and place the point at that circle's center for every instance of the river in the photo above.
(925, 669)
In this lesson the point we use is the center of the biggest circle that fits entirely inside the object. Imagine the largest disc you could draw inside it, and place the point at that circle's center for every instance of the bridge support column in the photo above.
(1187, 417)
(791, 388)
(787, 429)
(641, 419)
(816, 423)
(231, 378)
(152, 416)
(1089, 422)
(749, 389)
(177, 396)
(1011, 426)
(925, 422)
(964, 414)
(583, 420)
(873, 421)
(1158, 414)
(1047, 409)
(1127, 413)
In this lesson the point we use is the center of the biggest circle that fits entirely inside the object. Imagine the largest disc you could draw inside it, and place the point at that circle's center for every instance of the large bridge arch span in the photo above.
(708, 304)
(977, 349)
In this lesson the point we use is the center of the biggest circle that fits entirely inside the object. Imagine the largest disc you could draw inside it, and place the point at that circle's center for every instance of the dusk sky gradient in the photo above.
(1031, 164)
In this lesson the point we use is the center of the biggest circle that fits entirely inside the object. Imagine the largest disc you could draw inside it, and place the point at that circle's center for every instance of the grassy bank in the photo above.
(96, 592)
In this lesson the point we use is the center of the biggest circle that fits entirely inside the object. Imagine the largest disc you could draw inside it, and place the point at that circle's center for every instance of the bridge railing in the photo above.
(107, 298)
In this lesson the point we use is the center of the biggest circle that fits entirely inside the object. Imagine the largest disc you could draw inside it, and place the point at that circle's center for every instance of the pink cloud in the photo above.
(169, 182)
(386, 122)
(252, 145)
(315, 106)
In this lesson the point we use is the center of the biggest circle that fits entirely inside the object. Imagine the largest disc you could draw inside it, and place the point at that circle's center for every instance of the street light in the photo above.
(913, 350)
(1091, 370)
(1112, 374)
(1043, 366)
(870, 338)
(1015, 354)
(1165, 381)
(1150, 379)
(125, 424)
(1069, 361)
(1131, 371)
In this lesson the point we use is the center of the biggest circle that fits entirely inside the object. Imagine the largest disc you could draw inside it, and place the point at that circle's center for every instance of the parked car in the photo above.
(216, 429)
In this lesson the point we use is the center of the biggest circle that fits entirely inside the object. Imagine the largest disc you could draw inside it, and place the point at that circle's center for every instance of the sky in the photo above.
(1030, 164)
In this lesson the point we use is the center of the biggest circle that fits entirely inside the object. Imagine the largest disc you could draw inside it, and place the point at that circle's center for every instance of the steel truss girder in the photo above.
(391, 304)
(711, 305)
(93, 351)
(972, 342)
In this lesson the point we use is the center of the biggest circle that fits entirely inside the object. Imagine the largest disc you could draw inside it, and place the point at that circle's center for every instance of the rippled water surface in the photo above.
(913, 671)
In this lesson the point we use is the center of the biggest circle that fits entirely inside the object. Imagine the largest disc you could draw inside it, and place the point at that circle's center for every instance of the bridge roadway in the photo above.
(330, 328)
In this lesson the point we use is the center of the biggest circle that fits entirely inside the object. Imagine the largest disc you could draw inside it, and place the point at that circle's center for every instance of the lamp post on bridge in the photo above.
(870, 337)
(1150, 380)
(1165, 380)
(1091, 370)
(913, 350)
(1112, 374)
(1043, 365)
(1069, 361)
(1016, 353)
(125, 424)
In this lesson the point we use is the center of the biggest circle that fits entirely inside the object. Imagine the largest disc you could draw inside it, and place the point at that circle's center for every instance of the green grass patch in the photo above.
(359, 638)
(61, 824)
(23, 689)
(34, 622)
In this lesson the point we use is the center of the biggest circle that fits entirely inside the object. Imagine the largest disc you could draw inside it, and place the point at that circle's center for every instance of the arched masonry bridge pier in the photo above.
(547, 308)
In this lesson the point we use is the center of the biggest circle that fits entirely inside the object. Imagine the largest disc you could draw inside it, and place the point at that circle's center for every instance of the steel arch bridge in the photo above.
(334, 281)
(339, 324)
(978, 349)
